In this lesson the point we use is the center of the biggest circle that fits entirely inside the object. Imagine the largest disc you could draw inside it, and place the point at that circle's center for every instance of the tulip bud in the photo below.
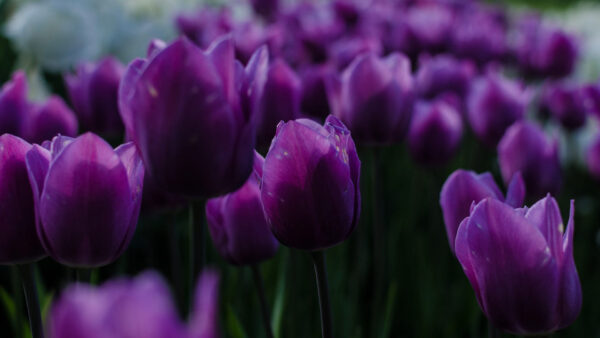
(463, 188)
(191, 114)
(49, 119)
(526, 148)
(13, 104)
(280, 100)
(566, 103)
(314, 101)
(443, 73)
(19, 242)
(310, 184)
(478, 36)
(593, 158)
(374, 98)
(435, 133)
(430, 26)
(87, 198)
(520, 265)
(93, 91)
(493, 104)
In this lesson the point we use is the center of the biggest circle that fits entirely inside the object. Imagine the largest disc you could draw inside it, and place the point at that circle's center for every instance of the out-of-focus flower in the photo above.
(266, 8)
(566, 103)
(374, 98)
(133, 308)
(87, 198)
(478, 36)
(593, 158)
(191, 114)
(442, 74)
(463, 188)
(19, 242)
(494, 103)
(520, 265)
(238, 226)
(204, 25)
(280, 100)
(13, 104)
(525, 148)
(430, 26)
(435, 132)
(93, 92)
(48, 119)
(310, 191)
(314, 101)
(343, 51)
(591, 98)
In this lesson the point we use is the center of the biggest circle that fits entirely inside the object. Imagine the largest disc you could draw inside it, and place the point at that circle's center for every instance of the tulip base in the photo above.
(323, 290)
(31, 299)
(260, 289)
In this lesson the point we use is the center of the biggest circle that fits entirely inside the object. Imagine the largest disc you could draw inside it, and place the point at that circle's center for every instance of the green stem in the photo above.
(196, 237)
(18, 300)
(493, 332)
(260, 289)
(31, 298)
(323, 290)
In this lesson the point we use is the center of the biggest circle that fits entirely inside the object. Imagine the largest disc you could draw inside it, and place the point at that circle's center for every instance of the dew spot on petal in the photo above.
(153, 92)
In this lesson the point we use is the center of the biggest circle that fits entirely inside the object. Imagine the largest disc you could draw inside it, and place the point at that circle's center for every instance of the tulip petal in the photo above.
(545, 214)
(126, 90)
(515, 194)
(204, 318)
(570, 293)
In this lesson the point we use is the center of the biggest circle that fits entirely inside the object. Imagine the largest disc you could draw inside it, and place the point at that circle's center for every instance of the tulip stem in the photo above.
(262, 299)
(493, 332)
(197, 235)
(18, 300)
(31, 299)
(323, 290)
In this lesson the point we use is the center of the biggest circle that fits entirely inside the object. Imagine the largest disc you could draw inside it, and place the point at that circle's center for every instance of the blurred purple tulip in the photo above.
(310, 184)
(19, 242)
(494, 103)
(593, 158)
(591, 97)
(205, 25)
(192, 115)
(268, 9)
(46, 120)
(345, 50)
(238, 226)
(464, 188)
(13, 104)
(87, 198)
(435, 132)
(93, 91)
(280, 100)
(314, 101)
(374, 98)
(520, 265)
(526, 149)
(566, 103)
(430, 25)
(133, 308)
(478, 36)
(442, 74)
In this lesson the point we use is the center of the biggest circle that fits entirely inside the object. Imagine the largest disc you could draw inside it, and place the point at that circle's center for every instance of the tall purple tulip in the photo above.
(443, 73)
(463, 188)
(593, 158)
(435, 132)
(494, 103)
(374, 98)
(191, 114)
(310, 191)
(238, 226)
(48, 119)
(520, 265)
(133, 308)
(19, 242)
(13, 104)
(527, 149)
(93, 91)
(566, 103)
(87, 198)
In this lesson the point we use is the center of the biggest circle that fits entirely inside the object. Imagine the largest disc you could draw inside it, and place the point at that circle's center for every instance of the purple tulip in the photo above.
(133, 308)
(463, 188)
(266, 8)
(591, 97)
(19, 242)
(520, 265)
(280, 100)
(566, 103)
(345, 50)
(205, 25)
(374, 98)
(478, 36)
(310, 191)
(430, 26)
(13, 104)
(238, 226)
(314, 101)
(526, 148)
(443, 74)
(435, 132)
(93, 91)
(494, 103)
(87, 198)
(46, 120)
(191, 114)
(593, 158)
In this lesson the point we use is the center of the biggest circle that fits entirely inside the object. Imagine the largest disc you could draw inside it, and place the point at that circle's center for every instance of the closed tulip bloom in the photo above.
(430, 26)
(593, 158)
(479, 36)
(494, 103)
(46, 120)
(435, 133)
(374, 98)
(310, 184)
(87, 198)
(19, 242)
(192, 115)
(280, 100)
(443, 73)
(314, 101)
(527, 149)
(463, 188)
(93, 91)
(520, 265)
(133, 308)
(566, 103)
(13, 104)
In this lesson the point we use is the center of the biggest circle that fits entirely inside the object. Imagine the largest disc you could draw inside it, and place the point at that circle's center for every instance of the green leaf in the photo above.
(8, 303)
(280, 297)
(234, 326)
(389, 310)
